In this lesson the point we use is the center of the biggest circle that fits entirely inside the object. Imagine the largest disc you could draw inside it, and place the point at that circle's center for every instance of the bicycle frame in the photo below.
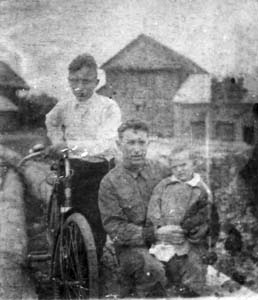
(71, 242)
(63, 175)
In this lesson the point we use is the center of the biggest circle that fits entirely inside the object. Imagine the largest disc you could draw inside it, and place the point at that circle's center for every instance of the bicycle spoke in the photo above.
(74, 242)
(71, 269)
(74, 264)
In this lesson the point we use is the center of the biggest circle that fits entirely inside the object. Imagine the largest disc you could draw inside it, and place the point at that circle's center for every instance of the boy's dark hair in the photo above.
(81, 61)
(132, 124)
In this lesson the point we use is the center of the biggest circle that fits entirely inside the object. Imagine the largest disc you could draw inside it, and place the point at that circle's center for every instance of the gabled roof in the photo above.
(6, 104)
(196, 89)
(144, 53)
(9, 78)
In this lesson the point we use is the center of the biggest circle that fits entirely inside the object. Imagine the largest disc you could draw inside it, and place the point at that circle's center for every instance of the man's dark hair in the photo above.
(132, 124)
(82, 61)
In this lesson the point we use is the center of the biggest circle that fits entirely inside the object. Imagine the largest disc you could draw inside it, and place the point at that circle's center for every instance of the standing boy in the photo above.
(88, 121)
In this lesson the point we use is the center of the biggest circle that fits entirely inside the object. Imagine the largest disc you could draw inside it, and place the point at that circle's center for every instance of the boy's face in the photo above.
(182, 169)
(83, 82)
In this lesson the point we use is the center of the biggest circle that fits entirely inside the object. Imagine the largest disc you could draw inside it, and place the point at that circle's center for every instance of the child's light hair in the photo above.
(182, 156)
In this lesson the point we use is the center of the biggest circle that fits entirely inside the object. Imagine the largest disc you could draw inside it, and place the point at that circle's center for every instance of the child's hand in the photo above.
(198, 233)
(171, 234)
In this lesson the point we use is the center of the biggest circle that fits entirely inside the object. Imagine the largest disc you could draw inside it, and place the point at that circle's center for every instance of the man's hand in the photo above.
(172, 234)
(148, 235)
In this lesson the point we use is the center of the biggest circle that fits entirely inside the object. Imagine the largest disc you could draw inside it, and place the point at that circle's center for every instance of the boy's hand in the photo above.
(148, 235)
(210, 258)
(172, 234)
(54, 151)
(196, 234)
(197, 215)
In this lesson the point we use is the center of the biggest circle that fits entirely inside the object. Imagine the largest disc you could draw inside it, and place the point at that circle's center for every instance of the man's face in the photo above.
(133, 146)
(83, 82)
(182, 169)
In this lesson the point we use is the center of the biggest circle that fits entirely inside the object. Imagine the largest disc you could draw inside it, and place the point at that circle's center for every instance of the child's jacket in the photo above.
(172, 201)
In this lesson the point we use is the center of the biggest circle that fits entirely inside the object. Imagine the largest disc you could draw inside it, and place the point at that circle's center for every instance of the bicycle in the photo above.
(72, 245)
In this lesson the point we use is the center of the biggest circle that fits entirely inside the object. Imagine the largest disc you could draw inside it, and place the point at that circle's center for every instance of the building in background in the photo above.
(176, 96)
(207, 108)
(11, 84)
(143, 78)
(8, 114)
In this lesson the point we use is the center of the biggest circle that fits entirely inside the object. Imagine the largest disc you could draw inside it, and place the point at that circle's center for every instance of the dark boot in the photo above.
(185, 292)
(158, 291)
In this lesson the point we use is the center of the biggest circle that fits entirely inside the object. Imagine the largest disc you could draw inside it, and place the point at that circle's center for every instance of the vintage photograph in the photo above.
(128, 149)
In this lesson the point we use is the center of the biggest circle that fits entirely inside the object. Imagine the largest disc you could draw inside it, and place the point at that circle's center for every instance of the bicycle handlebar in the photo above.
(64, 152)
(30, 156)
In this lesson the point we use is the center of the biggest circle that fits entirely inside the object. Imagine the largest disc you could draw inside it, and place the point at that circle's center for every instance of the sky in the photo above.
(39, 38)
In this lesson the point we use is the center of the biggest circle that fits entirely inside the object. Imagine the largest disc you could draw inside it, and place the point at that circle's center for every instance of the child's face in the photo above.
(182, 169)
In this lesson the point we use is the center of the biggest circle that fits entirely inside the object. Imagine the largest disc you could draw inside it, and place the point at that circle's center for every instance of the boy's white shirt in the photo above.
(90, 126)
(164, 251)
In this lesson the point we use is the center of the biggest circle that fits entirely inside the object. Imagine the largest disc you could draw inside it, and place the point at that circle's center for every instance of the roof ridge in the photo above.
(122, 50)
(170, 53)
(182, 56)
(8, 77)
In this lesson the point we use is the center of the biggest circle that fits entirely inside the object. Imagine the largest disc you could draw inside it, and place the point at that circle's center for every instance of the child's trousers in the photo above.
(188, 270)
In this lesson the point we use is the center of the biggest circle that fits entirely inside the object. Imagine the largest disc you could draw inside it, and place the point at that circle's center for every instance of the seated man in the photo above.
(179, 209)
(124, 196)
(89, 124)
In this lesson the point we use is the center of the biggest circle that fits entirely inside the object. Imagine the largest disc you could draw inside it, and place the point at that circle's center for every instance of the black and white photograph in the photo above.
(128, 149)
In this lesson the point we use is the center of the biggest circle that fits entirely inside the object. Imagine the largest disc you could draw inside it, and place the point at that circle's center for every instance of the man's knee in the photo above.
(142, 269)
(130, 262)
(155, 269)
(151, 280)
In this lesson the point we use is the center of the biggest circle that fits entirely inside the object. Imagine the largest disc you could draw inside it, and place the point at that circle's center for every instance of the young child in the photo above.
(179, 209)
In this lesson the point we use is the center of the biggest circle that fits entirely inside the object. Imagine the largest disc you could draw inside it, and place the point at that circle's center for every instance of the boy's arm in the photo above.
(154, 208)
(107, 131)
(55, 124)
(196, 219)
(111, 120)
(202, 218)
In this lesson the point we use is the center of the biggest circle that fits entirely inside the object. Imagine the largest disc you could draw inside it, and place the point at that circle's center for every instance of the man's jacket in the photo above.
(123, 201)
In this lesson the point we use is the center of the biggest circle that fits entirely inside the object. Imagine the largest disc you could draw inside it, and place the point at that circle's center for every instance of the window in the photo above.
(248, 134)
(225, 131)
(198, 130)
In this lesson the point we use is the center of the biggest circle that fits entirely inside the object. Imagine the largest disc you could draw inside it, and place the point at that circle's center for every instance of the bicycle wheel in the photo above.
(74, 264)
(53, 220)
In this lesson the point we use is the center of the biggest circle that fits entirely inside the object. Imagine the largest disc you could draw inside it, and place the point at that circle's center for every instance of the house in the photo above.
(143, 78)
(8, 114)
(10, 85)
(207, 108)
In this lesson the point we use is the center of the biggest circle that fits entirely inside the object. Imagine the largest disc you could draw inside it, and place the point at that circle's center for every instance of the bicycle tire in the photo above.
(74, 268)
